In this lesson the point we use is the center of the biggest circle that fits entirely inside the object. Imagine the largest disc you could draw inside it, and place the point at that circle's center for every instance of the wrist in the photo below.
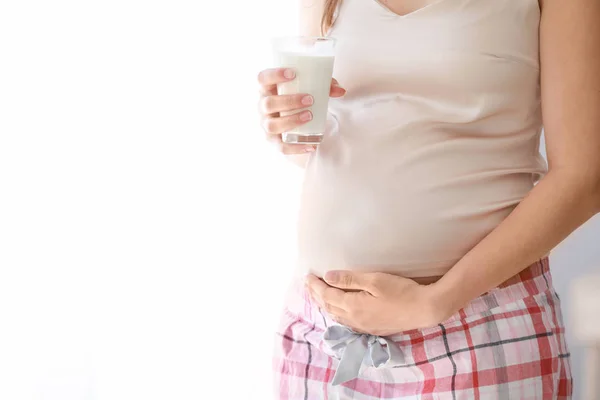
(443, 300)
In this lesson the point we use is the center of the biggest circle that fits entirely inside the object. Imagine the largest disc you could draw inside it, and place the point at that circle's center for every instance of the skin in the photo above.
(406, 6)
(562, 201)
(271, 105)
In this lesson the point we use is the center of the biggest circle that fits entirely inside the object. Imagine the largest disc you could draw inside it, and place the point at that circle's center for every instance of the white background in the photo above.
(146, 229)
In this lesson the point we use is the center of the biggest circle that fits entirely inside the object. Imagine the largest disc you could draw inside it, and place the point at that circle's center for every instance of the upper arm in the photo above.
(311, 12)
(570, 84)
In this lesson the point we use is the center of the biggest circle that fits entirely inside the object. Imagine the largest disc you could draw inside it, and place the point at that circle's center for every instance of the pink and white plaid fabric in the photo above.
(507, 344)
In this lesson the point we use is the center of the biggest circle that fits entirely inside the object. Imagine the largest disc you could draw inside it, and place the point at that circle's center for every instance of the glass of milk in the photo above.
(312, 60)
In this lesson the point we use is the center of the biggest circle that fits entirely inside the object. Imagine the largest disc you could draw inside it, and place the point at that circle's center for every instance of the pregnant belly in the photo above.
(410, 246)
(402, 231)
(404, 208)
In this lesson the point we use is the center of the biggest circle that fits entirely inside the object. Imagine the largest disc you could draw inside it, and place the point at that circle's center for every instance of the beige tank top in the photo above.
(435, 142)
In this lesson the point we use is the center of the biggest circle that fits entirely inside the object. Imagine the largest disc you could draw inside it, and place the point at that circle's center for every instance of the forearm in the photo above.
(557, 206)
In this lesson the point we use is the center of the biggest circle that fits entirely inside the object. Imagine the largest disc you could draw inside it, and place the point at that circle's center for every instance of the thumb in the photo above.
(346, 280)
(336, 90)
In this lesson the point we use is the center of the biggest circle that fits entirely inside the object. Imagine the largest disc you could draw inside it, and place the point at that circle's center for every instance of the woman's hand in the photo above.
(377, 303)
(271, 105)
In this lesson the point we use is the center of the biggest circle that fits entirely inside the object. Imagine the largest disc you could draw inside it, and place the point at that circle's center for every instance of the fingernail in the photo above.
(306, 116)
(310, 149)
(307, 100)
(289, 73)
(331, 276)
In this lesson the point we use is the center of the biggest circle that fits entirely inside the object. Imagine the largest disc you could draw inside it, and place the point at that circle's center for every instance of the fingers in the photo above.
(277, 125)
(347, 322)
(274, 125)
(271, 105)
(274, 104)
(327, 294)
(330, 309)
(336, 90)
(337, 314)
(348, 280)
(269, 78)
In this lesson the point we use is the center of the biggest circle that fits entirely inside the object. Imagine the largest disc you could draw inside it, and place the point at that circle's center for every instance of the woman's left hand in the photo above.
(377, 303)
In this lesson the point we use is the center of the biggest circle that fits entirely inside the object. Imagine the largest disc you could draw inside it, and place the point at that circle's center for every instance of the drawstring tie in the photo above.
(354, 349)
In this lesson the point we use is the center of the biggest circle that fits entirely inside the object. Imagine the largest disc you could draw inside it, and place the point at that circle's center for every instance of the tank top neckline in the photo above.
(410, 13)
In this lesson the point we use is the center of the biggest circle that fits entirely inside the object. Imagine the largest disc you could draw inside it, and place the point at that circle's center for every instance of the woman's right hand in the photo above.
(271, 105)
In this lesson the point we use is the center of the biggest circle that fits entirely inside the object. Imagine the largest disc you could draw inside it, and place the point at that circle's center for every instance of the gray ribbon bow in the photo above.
(354, 349)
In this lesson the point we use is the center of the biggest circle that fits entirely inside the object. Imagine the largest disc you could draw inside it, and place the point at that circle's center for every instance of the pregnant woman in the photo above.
(427, 211)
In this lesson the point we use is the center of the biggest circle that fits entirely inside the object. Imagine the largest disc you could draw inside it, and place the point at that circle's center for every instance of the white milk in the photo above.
(313, 76)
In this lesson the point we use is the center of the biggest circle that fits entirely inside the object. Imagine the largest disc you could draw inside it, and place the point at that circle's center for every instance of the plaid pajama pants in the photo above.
(507, 344)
